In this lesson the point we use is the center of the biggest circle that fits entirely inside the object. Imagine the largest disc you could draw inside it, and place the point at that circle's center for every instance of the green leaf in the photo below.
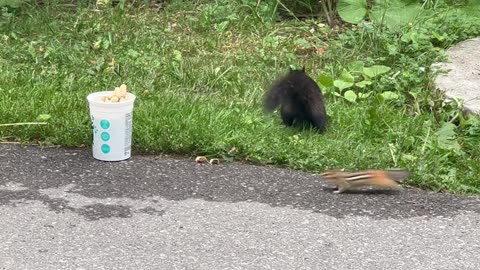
(375, 70)
(177, 55)
(392, 49)
(350, 96)
(43, 117)
(352, 11)
(438, 36)
(132, 53)
(364, 95)
(221, 27)
(303, 43)
(473, 124)
(408, 158)
(388, 95)
(363, 83)
(342, 84)
(446, 137)
(380, 98)
(346, 76)
(398, 13)
(355, 66)
(337, 94)
(446, 131)
(325, 81)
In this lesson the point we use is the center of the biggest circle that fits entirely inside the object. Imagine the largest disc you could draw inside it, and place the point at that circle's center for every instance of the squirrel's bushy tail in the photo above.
(273, 97)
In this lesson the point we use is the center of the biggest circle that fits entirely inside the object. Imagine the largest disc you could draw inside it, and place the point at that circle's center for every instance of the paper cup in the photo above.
(111, 127)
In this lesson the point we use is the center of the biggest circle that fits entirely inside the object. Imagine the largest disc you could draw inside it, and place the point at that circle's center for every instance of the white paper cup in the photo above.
(111, 127)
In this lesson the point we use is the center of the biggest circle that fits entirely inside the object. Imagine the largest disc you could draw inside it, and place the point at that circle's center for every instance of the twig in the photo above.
(22, 124)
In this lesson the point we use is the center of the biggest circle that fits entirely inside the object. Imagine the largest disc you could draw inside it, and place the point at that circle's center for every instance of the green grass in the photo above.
(199, 73)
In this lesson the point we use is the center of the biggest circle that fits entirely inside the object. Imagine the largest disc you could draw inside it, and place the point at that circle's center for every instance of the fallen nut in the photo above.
(214, 161)
(201, 159)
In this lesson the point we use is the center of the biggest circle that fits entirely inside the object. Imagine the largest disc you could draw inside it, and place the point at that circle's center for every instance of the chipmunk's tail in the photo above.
(397, 175)
(387, 178)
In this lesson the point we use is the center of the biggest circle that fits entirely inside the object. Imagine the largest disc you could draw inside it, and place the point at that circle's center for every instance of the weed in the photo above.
(199, 72)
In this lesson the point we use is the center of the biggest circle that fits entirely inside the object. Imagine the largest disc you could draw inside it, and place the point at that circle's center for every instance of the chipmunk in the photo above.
(349, 180)
(300, 100)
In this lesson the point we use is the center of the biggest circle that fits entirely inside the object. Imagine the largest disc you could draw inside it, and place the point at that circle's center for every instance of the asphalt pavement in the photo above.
(62, 209)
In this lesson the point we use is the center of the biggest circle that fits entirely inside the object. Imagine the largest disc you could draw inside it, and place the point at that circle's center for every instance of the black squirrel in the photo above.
(300, 99)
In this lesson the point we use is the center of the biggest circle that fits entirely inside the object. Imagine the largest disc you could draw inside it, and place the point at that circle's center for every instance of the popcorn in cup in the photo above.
(111, 113)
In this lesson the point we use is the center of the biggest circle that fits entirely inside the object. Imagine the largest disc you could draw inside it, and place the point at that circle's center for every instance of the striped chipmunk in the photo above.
(348, 180)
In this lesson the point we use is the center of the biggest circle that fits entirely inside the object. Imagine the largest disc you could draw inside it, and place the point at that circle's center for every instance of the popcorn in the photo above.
(119, 95)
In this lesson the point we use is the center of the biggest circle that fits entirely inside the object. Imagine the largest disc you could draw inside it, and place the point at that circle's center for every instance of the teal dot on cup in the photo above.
(105, 148)
(105, 124)
(105, 136)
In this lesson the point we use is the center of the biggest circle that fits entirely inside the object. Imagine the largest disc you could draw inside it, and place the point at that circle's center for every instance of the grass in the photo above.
(199, 73)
